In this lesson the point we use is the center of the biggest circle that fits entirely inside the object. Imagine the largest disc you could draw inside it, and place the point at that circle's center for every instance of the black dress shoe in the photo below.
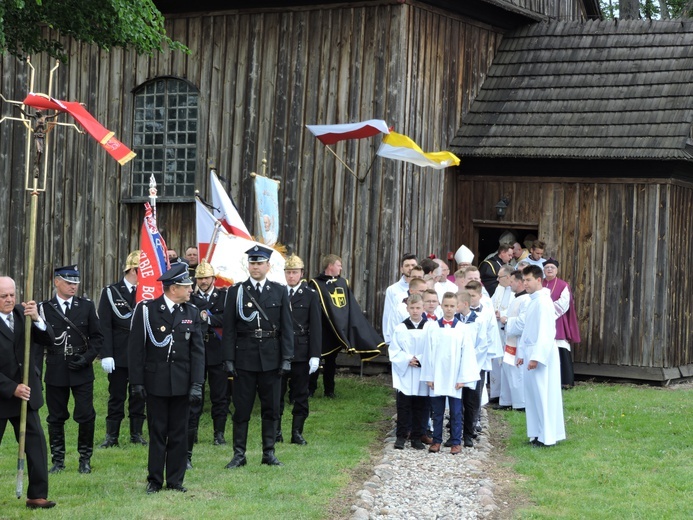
(84, 467)
(137, 438)
(56, 468)
(468, 443)
(417, 444)
(153, 488)
(39, 503)
(236, 462)
(271, 460)
(519, 409)
(536, 443)
(448, 443)
(297, 438)
(219, 439)
(399, 443)
(177, 487)
(330, 395)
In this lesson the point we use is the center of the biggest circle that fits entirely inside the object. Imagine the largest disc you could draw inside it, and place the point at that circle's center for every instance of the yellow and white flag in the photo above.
(400, 147)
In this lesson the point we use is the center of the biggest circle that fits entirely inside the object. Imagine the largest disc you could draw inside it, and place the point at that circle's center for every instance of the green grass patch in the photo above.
(340, 433)
(628, 456)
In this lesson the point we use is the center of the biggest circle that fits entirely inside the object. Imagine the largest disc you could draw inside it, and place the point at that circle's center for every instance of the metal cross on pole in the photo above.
(38, 126)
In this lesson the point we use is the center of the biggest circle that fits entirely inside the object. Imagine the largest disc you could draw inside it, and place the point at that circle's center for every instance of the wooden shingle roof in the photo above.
(593, 90)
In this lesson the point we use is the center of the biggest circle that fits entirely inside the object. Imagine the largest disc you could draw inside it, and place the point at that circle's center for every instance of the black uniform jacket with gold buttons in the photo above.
(307, 320)
(211, 332)
(258, 354)
(70, 342)
(115, 314)
(166, 370)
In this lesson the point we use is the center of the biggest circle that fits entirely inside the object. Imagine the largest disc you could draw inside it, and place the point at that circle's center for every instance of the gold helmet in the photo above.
(204, 269)
(132, 261)
(293, 262)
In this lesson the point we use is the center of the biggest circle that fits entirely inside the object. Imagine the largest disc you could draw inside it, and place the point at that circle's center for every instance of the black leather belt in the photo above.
(257, 333)
(69, 350)
(301, 332)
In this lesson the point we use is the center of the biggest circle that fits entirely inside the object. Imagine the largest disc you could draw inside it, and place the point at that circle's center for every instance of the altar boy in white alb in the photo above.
(449, 364)
(406, 354)
(538, 353)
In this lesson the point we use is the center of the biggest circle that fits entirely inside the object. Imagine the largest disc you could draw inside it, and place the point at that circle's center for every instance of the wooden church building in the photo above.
(583, 125)
(585, 128)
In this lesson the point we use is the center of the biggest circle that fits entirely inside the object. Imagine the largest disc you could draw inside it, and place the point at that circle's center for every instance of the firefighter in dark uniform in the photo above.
(69, 367)
(307, 323)
(116, 306)
(167, 367)
(258, 344)
(210, 301)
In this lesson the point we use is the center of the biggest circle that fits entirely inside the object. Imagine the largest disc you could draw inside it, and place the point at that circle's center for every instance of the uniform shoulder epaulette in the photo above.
(277, 283)
(83, 298)
(192, 304)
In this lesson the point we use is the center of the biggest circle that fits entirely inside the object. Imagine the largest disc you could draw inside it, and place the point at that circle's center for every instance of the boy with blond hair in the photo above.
(406, 353)
(449, 364)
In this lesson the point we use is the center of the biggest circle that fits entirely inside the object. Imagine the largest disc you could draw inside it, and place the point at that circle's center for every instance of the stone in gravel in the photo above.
(360, 514)
(484, 491)
(485, 500)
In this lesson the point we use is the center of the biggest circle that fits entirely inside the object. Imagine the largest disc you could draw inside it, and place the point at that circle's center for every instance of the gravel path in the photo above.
(417, 485)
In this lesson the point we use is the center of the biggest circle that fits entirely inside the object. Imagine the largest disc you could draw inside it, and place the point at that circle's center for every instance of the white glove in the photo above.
(313, 363)
(108, 364)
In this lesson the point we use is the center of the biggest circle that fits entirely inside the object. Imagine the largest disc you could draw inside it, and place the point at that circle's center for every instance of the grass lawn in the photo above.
(340, 435)
(628, 455)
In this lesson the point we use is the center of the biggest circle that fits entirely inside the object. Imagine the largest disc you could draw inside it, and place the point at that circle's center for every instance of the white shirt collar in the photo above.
(169, 303)
(61, 302)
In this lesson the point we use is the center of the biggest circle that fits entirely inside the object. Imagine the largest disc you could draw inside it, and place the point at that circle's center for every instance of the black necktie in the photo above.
(133, 290)
(67, 307)
(291, 292)
(258, 288)
(10, 322)
(175, 308)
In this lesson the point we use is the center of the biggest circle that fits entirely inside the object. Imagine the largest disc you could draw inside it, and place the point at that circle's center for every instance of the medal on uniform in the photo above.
(162, 307)
(163, 328)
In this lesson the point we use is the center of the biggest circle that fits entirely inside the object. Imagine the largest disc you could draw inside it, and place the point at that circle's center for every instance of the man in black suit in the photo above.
(69, 366)
(116, 306)
(307, 323)
(258, 344)
(13, 391)
(210, 301)
(166, 367)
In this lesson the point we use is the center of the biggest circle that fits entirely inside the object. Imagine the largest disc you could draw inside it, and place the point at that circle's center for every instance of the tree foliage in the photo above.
(647, 9)
(135, 24)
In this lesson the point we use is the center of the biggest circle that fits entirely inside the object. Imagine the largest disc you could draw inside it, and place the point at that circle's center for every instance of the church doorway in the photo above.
(490, 238)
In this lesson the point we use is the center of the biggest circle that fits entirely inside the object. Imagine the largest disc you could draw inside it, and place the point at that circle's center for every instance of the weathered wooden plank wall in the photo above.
(623, 247)
(263, 76)
(556, 9)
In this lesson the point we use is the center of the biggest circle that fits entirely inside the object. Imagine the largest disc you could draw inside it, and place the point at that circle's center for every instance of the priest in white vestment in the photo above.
(537, 352)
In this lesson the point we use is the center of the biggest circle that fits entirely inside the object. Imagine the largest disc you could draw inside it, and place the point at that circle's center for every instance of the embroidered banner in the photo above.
(267, 204)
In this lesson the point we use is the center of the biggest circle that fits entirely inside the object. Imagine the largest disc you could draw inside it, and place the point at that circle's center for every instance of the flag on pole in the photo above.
(105, 137)
(331, 134)
(153, 259)
(400, 147)
(225, 210)
(227, 252)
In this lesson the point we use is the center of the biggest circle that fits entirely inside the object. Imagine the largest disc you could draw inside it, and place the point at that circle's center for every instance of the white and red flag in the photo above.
(331, 134)
(153, 259)
(225, 210)
(225, 252)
